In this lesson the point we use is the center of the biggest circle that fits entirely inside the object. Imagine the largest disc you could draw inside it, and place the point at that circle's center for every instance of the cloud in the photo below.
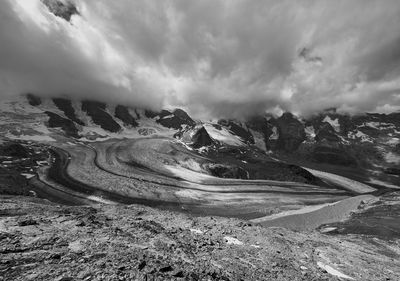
(47, 55)
(214, 58)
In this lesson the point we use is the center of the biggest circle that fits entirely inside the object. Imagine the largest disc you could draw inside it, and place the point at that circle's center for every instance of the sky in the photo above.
(230, 59)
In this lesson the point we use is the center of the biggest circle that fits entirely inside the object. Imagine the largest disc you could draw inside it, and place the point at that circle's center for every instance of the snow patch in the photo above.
(100, 200)
(75, 246)
(360, 135)
(275, 134)
(346, 183)
(305, 210)
(333, 271)
(202, 149)
(232, 241)
(28, 137)
(188, 174)
(393, 141)
(19, 105)
(258, 139)
(310, 132)
(196, 231)
(223, 135)
(383, 183)
(28, 176)
(328, 229)
(380, 125)
(391, 157)
(168, 116)
(334, 123)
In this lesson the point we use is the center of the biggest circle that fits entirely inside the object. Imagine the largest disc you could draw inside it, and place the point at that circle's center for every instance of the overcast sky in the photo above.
(214, 58)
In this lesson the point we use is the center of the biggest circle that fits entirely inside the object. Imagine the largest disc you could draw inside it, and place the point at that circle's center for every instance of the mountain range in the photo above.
(330, 174)
(368, 143)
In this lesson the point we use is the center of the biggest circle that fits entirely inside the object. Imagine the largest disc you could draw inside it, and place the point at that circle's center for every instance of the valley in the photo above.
(169, 161)
(57, 151)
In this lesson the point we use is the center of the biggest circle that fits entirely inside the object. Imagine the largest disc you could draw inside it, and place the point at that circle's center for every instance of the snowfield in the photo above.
(346, 183)
(223, 135)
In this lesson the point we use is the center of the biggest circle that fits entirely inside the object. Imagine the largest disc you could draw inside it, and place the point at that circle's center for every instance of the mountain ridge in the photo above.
(327, 137)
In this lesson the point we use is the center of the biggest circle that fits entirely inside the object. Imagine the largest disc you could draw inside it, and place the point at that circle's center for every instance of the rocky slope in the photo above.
(42, 241)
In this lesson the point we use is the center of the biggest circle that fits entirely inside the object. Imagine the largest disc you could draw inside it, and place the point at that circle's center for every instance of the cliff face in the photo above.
(291, 132)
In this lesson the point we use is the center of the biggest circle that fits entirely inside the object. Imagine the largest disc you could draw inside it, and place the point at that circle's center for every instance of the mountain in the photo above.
(333, 141)
(330, 174)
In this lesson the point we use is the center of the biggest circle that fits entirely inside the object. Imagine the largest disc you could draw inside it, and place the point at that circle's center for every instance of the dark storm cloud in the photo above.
(215, 58)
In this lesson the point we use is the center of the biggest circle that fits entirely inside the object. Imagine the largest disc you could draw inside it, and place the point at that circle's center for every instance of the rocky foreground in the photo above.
(43, 241)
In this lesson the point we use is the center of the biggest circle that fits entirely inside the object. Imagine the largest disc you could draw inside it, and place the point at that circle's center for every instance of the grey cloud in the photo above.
(47, 56)
(214, 58)
(382, 61)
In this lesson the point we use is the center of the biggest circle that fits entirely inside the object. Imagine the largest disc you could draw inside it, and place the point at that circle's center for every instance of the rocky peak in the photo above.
(327, 133)
(122, 113)
(259, 124)
(174, 120)
(291, 132)
(195, 137)
(181, 114)
(201, 138)
(33, 100)
(56, 121)
(65, 106)
(63, 9)
(150, 113)
(97, 111)
(238, 130)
